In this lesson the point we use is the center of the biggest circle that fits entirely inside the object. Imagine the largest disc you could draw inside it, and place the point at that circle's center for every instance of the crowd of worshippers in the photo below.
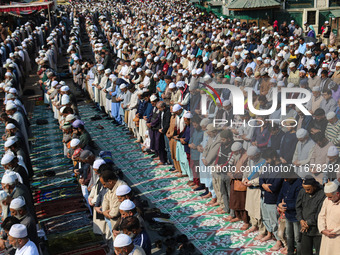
(149, 69)
(150, 64)
(115, 214)
(18, 50)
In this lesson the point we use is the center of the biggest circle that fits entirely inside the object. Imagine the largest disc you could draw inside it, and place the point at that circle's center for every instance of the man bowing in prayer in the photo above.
(123, 245)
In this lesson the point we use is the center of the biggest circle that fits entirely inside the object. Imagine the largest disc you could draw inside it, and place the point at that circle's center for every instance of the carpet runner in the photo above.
(59, 203)
(203, 226)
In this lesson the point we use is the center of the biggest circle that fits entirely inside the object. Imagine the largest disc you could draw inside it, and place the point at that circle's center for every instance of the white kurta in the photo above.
(28, 249)
(329, 218)
(102, 84)
(132, 109)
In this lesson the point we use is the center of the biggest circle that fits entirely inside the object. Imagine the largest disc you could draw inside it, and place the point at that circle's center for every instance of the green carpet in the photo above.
(203, 226)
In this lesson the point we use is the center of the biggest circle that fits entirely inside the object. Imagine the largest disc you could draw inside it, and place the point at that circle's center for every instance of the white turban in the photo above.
(122, 190)
(127, 205)
(18, 231)
(330, 187)
(17, 203)
(253, 150)
(332, 151)
(122, 240)
(7, 158)
(74, 142)
(236, 146)
(98, 162)
(301, 133)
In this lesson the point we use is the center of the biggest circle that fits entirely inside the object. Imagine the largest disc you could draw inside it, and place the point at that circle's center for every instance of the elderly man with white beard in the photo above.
(18, 238)
(18, 210)
(329, 220)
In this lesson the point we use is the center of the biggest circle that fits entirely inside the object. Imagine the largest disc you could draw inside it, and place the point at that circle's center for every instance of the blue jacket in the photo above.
(289, 193)
(148, 110)
(276, 184)
(141, 108)
(143, 241)
(288, 143)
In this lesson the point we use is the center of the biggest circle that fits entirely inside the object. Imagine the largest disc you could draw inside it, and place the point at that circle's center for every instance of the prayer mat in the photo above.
(41, 196)
(202, 224)
(55, 183)
(66, 223)
(93, 250)
(60, 207)
(73, 240)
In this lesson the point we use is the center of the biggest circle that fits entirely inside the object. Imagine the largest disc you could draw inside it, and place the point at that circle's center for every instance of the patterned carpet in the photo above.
(203, 226)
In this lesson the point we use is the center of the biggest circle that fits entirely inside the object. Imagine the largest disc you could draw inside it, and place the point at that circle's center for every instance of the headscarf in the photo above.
(311, 32)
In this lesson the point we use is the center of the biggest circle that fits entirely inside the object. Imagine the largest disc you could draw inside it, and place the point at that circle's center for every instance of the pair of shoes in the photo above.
(187, 249)
(158, 244)
(167, 230)
(96, 117)
(205, 193)
(170, 242)
(155, 226)
(199, 188)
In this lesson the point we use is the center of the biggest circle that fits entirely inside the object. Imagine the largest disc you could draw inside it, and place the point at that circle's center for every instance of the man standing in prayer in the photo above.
(329, 220)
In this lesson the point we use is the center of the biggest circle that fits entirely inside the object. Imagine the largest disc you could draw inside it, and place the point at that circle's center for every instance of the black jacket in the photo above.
(308, 208)
(166, 120)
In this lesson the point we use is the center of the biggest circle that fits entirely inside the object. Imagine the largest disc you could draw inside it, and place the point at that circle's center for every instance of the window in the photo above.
(311, 17)
(334, 3)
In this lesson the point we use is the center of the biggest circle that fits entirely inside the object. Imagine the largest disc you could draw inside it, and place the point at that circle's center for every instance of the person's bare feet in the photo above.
(194, 187)
(284, 250)
(137, 141)
(245, 226)
(181, 175)
(229, 218)
(160, 163)
(267, 237)
(176, 171)
(212, 201)
(235, 219)
(277, 246)
(207, 195)
(215, 204)
(192, 184)
(220, 210)
(252, 229)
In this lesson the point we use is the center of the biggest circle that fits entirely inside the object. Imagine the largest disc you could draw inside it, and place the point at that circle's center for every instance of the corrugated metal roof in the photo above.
(252, 4)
